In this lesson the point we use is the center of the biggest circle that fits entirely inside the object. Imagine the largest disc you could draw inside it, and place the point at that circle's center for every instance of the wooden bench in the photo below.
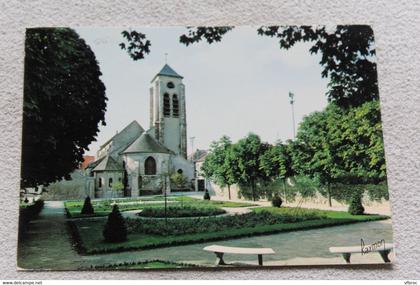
(221, 250)
(346, 252)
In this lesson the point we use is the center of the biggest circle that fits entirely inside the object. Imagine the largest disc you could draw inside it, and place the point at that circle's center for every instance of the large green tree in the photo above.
(247, 152)
(341, 146)
(220, 164)
(64, 101)
(276, 163)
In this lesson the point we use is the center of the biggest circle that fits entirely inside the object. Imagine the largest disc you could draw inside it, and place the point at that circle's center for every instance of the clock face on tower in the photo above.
(170, 85)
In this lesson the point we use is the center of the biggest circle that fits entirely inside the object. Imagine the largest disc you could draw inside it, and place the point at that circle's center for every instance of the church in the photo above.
(144, 160)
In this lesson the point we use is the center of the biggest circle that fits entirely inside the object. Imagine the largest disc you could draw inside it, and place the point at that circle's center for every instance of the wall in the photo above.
(78, 187)
(397, 30)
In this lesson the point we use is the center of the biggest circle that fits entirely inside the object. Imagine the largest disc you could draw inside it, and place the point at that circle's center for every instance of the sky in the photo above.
(233, 87)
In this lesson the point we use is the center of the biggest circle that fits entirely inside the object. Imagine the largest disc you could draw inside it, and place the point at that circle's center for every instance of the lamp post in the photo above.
(292, 101)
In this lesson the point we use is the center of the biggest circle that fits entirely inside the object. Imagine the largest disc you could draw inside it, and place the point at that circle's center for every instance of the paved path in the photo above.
(48, 246)
(47, 243)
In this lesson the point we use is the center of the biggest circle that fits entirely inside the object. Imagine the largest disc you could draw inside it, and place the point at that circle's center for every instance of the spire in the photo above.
(167, 71)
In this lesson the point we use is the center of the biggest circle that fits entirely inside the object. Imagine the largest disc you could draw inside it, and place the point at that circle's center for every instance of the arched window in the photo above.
(175, 106)
(166, 105)
(100, 182)
(110, 182)
(150, 166)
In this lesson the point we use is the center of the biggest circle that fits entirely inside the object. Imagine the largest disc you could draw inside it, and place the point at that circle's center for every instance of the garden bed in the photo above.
(181, 211)
(157, 233)
(104, 207)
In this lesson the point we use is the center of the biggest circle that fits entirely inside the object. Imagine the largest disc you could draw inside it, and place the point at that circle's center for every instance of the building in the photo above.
(142, 161)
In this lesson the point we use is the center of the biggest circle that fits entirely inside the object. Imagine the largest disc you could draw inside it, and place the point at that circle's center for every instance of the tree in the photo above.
(87, 208)
(356, 207)
(247, 152)
(348, 58)
(179, 179)
(136, 44)
(210, 34)
(276, 163)
(64, 101)
(220, 164)
(314, 153)
(341, 146)
(115, 229)
(348, 55)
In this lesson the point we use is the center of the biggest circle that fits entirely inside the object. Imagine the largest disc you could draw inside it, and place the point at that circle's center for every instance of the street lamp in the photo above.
(292, 101)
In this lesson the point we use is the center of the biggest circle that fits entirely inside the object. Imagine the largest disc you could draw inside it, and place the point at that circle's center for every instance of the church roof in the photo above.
(146, 143)
(167, 71)
(108, 164)
(132, 129)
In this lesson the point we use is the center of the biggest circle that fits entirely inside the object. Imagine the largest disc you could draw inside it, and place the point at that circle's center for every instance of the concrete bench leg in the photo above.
(219, 260)
(260, 259)
(384, 255)
(346, 257)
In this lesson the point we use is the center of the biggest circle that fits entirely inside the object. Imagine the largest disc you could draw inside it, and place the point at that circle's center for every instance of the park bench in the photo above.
(221, 250)
(346, 252)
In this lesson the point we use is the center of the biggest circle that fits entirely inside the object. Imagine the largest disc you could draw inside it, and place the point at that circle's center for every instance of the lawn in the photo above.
(153, 264)
(104, 207)
(146, 234)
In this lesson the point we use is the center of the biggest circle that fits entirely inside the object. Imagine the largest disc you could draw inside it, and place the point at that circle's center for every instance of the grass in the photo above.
(89, 233)
(178, 211)
(104, 207)
(153, 264)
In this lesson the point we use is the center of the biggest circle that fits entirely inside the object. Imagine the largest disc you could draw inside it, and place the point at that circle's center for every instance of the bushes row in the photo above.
(178, 211)
(211, 224)
(30, 212)
(155, 264)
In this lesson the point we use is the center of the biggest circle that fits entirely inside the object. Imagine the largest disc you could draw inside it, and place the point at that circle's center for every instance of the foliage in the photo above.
(341, 146)
(89, 230)
(348, 58)
(210, 224)
(104, 207)
(247, 152)
(276, 201)
(87, 207)
(136, 44)
(210, 34)
(220, 164)
(117, 186)
(206, 195)
(147, 264)
(64, 101)
(115, 229)
(181, 211)
(27, 214)
(356, 207)
(179, 179)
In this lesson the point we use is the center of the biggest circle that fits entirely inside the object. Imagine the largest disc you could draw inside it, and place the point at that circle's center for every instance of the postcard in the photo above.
(202, 147)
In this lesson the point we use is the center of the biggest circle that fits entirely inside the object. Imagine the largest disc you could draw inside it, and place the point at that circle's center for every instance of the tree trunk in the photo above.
(253, 190)
(329, 194)
(229, 191)
(284, 190)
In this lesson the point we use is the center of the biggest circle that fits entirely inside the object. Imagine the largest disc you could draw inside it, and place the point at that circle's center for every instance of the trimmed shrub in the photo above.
(356, 207)
(206, 195)
(115, 228)
(178, 211)
(87, 207)
(276, 201)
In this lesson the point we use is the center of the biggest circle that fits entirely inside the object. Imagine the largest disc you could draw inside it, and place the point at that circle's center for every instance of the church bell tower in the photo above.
(167, 110)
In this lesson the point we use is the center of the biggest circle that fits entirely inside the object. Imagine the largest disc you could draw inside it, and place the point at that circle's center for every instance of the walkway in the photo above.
(46, 243)
(48, 246)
